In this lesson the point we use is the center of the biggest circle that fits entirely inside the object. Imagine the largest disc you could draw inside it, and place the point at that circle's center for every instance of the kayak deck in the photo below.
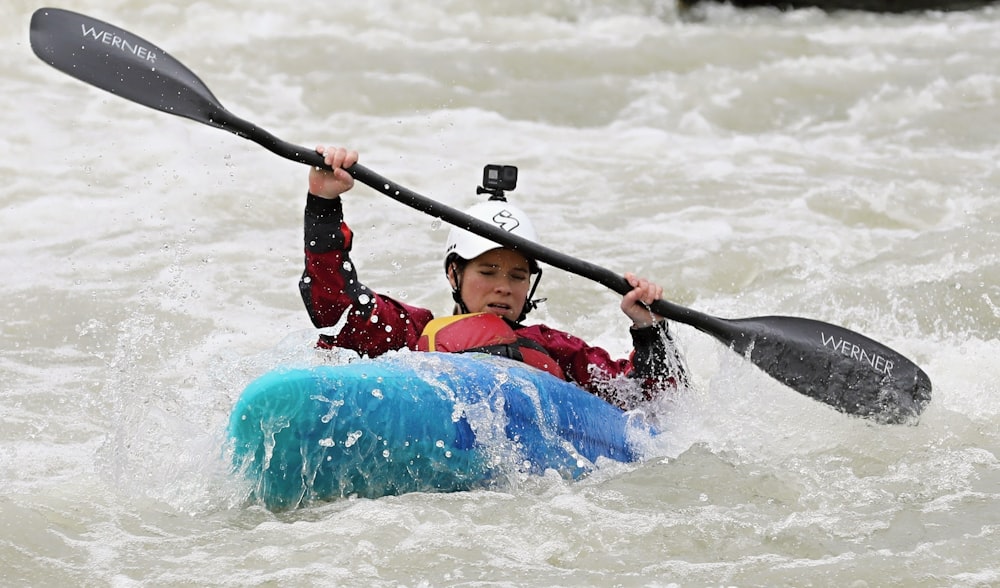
(416, 422)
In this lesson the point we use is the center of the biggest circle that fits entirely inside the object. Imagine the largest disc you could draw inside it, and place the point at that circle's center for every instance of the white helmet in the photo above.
(496, 212)
(461, 243)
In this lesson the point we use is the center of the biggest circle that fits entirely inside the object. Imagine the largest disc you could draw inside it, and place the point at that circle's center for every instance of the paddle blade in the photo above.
(122, 63)
(834, 365)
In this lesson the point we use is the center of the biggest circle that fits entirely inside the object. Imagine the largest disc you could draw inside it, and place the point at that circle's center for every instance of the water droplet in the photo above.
(352, 439)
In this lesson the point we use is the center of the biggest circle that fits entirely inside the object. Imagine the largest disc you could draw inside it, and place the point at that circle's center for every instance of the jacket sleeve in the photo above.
(369, 323)
(656, 360)
(655, 365)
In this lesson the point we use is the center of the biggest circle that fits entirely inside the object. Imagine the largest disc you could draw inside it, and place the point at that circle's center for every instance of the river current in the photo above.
(840, 167)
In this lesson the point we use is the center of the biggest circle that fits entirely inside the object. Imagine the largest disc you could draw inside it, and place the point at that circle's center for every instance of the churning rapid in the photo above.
(840, 167)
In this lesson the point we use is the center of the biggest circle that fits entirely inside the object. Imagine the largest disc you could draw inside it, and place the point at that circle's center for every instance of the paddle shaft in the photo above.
(404, 195)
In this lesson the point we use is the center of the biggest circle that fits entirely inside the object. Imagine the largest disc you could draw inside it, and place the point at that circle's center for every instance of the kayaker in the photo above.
(492, 288)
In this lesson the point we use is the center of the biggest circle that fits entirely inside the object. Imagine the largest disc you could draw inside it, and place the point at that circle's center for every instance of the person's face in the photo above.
(497, 282)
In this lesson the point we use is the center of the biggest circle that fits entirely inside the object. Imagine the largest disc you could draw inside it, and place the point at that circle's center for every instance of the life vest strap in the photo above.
(509, 350)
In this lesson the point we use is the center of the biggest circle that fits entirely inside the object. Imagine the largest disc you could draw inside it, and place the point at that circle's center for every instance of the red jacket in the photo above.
(372, 324)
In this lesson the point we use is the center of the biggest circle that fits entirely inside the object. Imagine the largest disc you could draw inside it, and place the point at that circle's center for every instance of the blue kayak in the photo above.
(416, 422)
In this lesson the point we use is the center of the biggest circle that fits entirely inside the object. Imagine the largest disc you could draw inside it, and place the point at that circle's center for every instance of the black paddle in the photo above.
(844, 369)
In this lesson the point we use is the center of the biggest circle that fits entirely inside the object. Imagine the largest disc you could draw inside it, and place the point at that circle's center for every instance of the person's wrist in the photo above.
(646, 324)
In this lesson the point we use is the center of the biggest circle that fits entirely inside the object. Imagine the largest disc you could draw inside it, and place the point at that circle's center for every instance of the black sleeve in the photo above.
(656, 356)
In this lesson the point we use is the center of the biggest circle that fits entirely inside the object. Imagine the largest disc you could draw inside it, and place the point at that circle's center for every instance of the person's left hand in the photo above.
(636, 303)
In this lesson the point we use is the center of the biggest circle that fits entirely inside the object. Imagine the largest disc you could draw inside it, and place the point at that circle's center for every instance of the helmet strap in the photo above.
(456, 289)
(532, 303)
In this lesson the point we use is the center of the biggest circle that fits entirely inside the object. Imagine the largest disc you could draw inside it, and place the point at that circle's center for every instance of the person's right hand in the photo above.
(331, 184)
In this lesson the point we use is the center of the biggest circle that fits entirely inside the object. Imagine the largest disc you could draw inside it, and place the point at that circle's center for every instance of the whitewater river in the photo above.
(842, 168)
